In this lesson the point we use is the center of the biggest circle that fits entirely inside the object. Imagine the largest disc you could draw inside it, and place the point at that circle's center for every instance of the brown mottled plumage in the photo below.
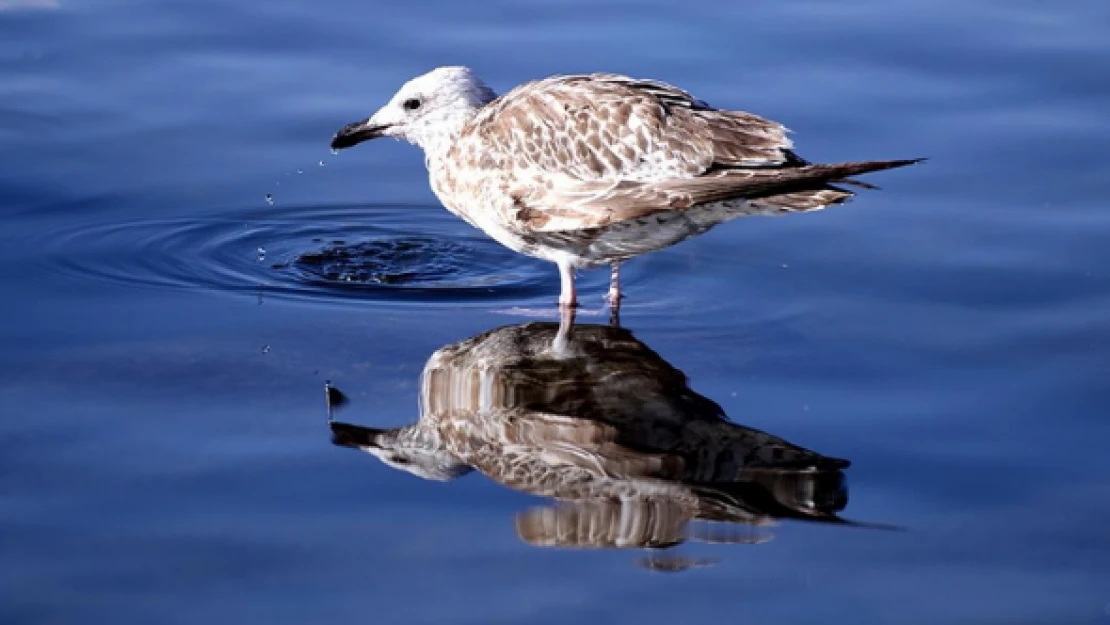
(591, 170)
(594, 418)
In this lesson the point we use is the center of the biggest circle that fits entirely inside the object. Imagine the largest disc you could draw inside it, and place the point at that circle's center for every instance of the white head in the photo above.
(411, 449)
(429, 110)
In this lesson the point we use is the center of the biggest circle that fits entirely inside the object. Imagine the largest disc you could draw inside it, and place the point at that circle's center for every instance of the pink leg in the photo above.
(614, 296)
(566, 322)
(567, 295)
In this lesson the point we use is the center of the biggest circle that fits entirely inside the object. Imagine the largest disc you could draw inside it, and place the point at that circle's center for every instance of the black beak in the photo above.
(356, 133)
(347, 435)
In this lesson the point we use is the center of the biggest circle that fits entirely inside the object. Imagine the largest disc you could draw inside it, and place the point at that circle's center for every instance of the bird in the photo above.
(592, 417)
(590, 170)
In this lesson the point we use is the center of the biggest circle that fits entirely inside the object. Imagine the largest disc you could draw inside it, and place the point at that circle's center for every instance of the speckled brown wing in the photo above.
(587, 151)
(607, 127)
(582, 205)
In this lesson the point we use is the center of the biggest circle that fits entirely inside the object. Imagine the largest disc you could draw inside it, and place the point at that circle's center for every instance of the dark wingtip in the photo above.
(881, 165)
(911, 161)
(839, 172)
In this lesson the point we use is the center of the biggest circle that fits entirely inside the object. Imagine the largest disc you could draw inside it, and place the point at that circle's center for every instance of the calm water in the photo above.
(164, 454)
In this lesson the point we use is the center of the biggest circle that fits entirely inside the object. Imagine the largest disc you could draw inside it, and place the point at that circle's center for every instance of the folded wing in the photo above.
(611, 127)
(586, 151)
(596, 204)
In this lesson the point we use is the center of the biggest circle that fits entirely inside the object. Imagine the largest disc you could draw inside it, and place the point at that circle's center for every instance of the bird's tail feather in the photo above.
(809, 187)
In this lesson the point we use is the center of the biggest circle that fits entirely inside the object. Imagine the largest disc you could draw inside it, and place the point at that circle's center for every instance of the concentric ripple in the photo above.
(362, 252)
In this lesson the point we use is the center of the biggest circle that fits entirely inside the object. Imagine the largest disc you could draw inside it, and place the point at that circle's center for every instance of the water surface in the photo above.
(164, 452)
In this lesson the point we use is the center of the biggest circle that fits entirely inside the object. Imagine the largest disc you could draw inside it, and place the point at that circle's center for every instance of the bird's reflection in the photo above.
(591, 417)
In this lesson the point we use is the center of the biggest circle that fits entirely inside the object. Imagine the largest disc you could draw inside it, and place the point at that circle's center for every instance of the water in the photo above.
(164, 450)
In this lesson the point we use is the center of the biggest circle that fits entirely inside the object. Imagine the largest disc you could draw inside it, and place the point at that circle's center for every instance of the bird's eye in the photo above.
(411, 104)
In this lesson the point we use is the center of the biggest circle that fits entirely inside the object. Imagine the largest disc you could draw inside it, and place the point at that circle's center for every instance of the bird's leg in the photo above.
(614, 296)
(566, 322)
(567, 295)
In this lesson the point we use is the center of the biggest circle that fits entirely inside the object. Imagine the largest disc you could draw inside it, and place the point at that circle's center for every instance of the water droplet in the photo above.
(269, 199)
(785, 266)
(265, 349)
(321, 163)
(261, 253)
(300, 171)
(334, 152)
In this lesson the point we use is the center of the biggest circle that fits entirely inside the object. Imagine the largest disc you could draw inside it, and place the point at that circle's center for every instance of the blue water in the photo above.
(164, 455)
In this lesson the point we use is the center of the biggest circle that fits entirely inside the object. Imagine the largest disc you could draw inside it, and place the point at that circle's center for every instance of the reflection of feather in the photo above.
(674, 563)
(606, 425)
(603, 523)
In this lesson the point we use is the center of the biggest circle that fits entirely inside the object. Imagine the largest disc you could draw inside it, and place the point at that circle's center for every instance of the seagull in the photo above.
(591, 170)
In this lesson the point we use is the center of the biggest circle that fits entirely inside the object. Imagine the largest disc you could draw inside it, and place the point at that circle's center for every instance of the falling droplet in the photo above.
(269, 199)
(265, 349)
(300, 171)
(334, 152)
(261, 253)
(321, 163)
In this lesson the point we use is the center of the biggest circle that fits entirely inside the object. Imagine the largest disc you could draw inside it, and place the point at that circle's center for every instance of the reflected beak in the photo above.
(347, 435)
(356, 133)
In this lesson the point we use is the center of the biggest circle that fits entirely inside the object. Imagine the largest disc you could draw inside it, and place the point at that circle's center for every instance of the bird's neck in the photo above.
(437, 137)
(440, 133)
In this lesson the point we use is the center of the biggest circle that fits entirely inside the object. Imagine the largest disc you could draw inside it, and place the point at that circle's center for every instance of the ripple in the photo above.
(406, 253)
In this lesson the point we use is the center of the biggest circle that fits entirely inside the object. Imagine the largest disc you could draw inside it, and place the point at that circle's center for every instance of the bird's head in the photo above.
(407, 448)
(424, 111)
